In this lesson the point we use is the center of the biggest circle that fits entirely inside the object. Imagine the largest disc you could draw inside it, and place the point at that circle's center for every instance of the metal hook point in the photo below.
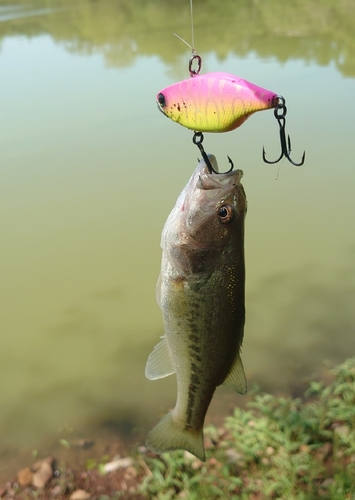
(280, 115)
(231, 164)
(198, 140)
(271, 162)
(297, 164)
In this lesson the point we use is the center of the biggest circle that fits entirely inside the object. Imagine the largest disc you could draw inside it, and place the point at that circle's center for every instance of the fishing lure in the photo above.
(220, 102)
(213, 102)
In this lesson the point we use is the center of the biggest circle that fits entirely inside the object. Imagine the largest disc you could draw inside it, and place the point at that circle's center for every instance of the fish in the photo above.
(213, 102)
(200, 290)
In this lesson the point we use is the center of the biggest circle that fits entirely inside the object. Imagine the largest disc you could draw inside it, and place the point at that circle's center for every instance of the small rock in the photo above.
(189, 456)
(24, 477)
(196, 464)
(183, 494)
(80, 495)
(221, 431)
(82, 443)
(57, 491)
(117, 464)
(304, 448)
(327, 483)
(324, 451)
(209, 444)
(234, 457)
(42, 472)
(342, 430)
(130, 473)
(213, 462)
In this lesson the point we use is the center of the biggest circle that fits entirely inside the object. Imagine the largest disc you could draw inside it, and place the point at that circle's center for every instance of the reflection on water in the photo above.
(90, 170)
(314, 31)
(312, 322)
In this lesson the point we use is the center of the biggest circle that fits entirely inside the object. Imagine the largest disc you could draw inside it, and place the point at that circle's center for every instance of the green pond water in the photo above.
(89, 171)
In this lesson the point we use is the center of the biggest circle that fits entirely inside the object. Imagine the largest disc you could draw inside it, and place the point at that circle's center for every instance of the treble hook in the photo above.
(280, 115)
(198, 140)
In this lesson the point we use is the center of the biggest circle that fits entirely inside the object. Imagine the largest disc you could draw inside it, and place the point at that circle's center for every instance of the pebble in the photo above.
(209, 444)
(131, 473)
(234, 457)
(42, 472)
(189, 456)
(342, 430)
(327, 483)
(82, 443)
(80, 495)
(57, 491)
(324, 451)
(24, 477)
(117, 464)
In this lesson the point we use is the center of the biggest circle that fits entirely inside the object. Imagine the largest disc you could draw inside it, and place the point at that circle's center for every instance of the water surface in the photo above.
(90, 170)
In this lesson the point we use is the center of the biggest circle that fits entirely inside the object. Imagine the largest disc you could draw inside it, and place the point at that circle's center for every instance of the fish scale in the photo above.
(201, 293)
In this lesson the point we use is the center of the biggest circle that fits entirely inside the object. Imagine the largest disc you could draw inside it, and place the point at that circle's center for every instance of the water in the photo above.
(90, 170)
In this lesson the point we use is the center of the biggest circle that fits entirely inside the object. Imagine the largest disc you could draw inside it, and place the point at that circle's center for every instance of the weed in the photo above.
(278, 448)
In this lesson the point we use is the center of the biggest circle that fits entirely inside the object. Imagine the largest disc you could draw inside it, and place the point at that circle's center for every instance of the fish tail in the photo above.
(167, 436)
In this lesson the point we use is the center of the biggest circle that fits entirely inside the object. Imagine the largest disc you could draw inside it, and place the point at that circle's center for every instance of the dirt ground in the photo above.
(79, 471)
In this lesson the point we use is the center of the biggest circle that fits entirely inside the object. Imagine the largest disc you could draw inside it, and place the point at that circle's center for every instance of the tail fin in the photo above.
(167, 436)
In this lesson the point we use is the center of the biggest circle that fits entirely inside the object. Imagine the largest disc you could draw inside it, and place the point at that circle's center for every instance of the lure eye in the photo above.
(161, 100)
(225, 213)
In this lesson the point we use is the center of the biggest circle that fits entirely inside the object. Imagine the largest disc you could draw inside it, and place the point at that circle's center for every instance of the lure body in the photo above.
(214, 102)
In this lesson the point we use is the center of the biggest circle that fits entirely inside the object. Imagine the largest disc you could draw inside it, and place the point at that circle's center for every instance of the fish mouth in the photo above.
(217, 180)
(211, 162)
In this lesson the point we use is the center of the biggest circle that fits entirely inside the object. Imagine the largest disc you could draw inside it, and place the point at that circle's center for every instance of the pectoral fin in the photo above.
(236, 377)
(160, 363)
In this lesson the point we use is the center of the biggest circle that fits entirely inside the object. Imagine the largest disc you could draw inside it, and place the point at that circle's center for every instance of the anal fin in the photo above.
(236, 377)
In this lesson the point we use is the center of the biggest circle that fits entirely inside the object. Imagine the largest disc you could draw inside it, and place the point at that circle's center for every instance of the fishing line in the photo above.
(179, 37)
(192, 28)
(193, 50)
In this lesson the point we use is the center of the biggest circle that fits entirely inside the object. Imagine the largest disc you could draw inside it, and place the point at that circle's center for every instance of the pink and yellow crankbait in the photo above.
(214, 102)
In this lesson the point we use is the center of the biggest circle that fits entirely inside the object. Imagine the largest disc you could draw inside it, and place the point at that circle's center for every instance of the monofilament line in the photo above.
(192, 32)
(192, 27)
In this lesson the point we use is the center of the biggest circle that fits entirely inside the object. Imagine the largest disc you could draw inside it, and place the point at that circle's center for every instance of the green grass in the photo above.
(279, 448)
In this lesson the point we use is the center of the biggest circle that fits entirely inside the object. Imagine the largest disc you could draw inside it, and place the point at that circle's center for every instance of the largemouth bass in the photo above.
(213, 102)
(201, 293)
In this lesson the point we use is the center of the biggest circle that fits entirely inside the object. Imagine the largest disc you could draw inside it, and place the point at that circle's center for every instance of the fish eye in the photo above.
(161, 100)
(225, 213)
